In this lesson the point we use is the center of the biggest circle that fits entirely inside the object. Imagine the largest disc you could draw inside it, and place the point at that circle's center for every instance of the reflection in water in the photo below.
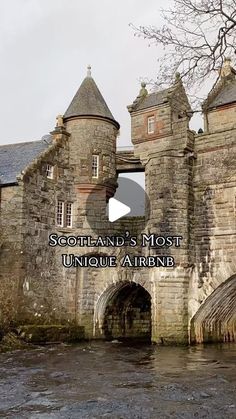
(104, 379)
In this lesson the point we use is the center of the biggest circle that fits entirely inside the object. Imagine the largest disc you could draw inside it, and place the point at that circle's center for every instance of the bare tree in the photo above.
(195, 38)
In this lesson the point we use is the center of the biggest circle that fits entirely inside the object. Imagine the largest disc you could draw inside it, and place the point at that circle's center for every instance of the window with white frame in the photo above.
(49, 171)
(60, 213)
(69, 214)
(64, 214)
(95, 165)
(151, 124)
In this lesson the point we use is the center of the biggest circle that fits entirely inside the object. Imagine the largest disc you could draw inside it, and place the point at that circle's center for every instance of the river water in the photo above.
(116, 380)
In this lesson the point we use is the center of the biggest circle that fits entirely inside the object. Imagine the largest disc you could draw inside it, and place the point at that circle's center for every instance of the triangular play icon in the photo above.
(117, 209)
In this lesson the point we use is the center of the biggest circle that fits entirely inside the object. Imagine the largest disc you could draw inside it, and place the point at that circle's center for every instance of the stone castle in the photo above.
(191, 184)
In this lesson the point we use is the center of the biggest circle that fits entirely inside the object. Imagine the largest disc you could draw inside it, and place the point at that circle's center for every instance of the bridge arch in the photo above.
(123, 311)
(215, 321)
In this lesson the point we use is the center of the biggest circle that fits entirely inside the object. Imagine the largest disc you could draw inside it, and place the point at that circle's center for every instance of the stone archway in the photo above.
(215, 321)
(124, 312)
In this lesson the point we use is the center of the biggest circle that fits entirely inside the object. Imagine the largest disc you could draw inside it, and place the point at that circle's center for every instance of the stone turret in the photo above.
(163, 142)
(92, 153)
(153, 115)
(93, 132)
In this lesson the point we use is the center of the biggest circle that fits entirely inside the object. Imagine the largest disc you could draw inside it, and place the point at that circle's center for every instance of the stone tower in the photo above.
(93, 131)
(164, 144)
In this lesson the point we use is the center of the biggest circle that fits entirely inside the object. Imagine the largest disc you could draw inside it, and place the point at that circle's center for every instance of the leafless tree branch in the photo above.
(195, 37)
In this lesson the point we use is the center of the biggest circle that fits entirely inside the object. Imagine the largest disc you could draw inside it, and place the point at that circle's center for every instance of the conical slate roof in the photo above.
(88, 101)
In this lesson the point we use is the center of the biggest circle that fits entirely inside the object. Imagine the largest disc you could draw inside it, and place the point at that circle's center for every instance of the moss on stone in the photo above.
(43, 334)
(11, 342)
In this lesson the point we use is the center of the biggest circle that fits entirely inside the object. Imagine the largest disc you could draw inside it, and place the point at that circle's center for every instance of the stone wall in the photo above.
(168, 165)
(90, 137)
(139, 131)
(44, 291)
(222, 118)
(11, 258)
(215, 222)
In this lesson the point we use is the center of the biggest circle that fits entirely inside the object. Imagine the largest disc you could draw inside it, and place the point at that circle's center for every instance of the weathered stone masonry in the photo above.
(191, 184)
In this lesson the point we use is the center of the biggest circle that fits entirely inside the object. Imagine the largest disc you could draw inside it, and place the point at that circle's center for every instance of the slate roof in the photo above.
(88, 101)
(15, 157)
(225, 96)
(153, 99)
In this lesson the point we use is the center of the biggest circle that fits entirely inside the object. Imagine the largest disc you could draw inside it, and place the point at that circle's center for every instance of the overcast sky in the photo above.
(45, 47)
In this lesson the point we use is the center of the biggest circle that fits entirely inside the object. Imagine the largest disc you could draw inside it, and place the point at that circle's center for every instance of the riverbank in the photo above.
(29, 336)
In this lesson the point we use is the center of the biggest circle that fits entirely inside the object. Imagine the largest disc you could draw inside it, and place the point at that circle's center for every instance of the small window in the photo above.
(49, 171)
(95, 165)
(69, 214)
(151, 124)
(60, 213)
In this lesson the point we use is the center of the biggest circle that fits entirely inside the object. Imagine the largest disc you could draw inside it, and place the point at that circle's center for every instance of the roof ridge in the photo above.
(22, 143)
(38, 158)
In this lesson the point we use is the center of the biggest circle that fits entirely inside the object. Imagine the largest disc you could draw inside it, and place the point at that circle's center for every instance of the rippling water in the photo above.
(116, 380)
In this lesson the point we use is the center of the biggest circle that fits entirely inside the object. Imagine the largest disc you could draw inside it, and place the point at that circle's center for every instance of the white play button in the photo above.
(130, 200)
(117, 209)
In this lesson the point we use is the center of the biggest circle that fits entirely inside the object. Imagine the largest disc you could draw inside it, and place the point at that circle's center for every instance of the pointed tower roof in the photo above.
(88, 101)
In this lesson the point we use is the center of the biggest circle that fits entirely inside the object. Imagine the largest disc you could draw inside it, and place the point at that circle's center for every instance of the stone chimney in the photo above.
(227, 70)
